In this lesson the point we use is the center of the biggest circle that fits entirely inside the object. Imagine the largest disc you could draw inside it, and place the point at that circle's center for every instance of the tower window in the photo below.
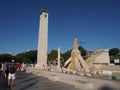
(45, 15)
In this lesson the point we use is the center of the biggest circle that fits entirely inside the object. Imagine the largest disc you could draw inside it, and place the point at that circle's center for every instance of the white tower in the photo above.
(58, 58)
(43, 39)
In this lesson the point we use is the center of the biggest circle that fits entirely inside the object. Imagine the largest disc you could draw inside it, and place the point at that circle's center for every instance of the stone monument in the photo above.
(43, 39)
(58, 58)
(76, 62)
(98, 59)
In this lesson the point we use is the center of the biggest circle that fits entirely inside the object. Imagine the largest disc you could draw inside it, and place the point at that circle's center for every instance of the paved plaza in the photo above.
(3, 84)
(28, 81)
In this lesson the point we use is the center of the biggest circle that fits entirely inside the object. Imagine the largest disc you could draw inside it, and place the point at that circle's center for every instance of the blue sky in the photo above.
(96, 23)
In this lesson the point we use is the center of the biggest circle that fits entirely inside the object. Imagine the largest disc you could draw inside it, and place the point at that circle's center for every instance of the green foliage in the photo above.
(114, 54)
(114, 51)
(27, 57)
(19, 57)
(31, 56)
(82, 50)
(53, 55)
(112, 58)
(6, 57)
(66, 55)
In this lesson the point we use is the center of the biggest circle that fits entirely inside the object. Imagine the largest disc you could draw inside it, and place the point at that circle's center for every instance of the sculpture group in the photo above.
(84, 67)
(75, 63)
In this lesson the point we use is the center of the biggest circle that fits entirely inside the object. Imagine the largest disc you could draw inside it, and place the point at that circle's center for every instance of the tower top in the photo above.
(44, 9)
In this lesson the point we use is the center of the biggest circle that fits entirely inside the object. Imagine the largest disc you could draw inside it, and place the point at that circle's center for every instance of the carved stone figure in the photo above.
(76, 62)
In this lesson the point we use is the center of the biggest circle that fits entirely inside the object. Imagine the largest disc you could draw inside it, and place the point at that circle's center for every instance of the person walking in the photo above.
(11, 74)
(0, 70)
(3, 70)
(7, 64)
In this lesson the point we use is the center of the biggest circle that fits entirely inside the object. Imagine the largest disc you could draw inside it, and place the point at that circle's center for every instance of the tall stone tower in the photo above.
(43, 39)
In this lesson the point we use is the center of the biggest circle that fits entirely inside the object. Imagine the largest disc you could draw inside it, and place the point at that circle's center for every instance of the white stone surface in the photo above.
(81, 82)
(100, 57)
(107, 73)
(43, 41)
(103, 57)
(58, 58)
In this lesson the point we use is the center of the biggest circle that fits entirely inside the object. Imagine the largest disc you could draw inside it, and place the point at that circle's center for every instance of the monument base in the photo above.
(37, 66)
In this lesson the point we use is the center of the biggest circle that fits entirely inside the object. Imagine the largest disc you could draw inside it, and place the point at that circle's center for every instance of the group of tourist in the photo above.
(7, 71)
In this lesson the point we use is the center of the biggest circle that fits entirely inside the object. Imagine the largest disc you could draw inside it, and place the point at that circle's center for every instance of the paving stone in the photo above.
(29, 81)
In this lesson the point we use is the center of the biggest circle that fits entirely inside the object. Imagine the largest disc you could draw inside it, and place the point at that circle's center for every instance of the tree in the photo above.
(66, 55)
(82, 50)
(27, 57)
(31, 56)
(114, 51)
(19, 57)
(53, 55)
(6, 57)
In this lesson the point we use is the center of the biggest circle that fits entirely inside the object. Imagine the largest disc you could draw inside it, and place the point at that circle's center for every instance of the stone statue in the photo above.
(76, 62)
(92, 65)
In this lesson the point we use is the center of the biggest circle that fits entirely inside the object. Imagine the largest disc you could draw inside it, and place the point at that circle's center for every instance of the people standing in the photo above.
(7, 69)
(11, 74)
(0, 70)
(3, 69)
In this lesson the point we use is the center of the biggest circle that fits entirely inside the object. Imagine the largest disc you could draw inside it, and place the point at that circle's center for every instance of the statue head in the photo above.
(44, 9)
(75, 44)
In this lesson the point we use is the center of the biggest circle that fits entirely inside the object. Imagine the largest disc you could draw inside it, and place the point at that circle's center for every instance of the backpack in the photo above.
(12, 69)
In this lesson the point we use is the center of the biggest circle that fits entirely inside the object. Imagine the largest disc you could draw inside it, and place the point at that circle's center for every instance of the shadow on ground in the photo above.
(106, 87)
(3, 85)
